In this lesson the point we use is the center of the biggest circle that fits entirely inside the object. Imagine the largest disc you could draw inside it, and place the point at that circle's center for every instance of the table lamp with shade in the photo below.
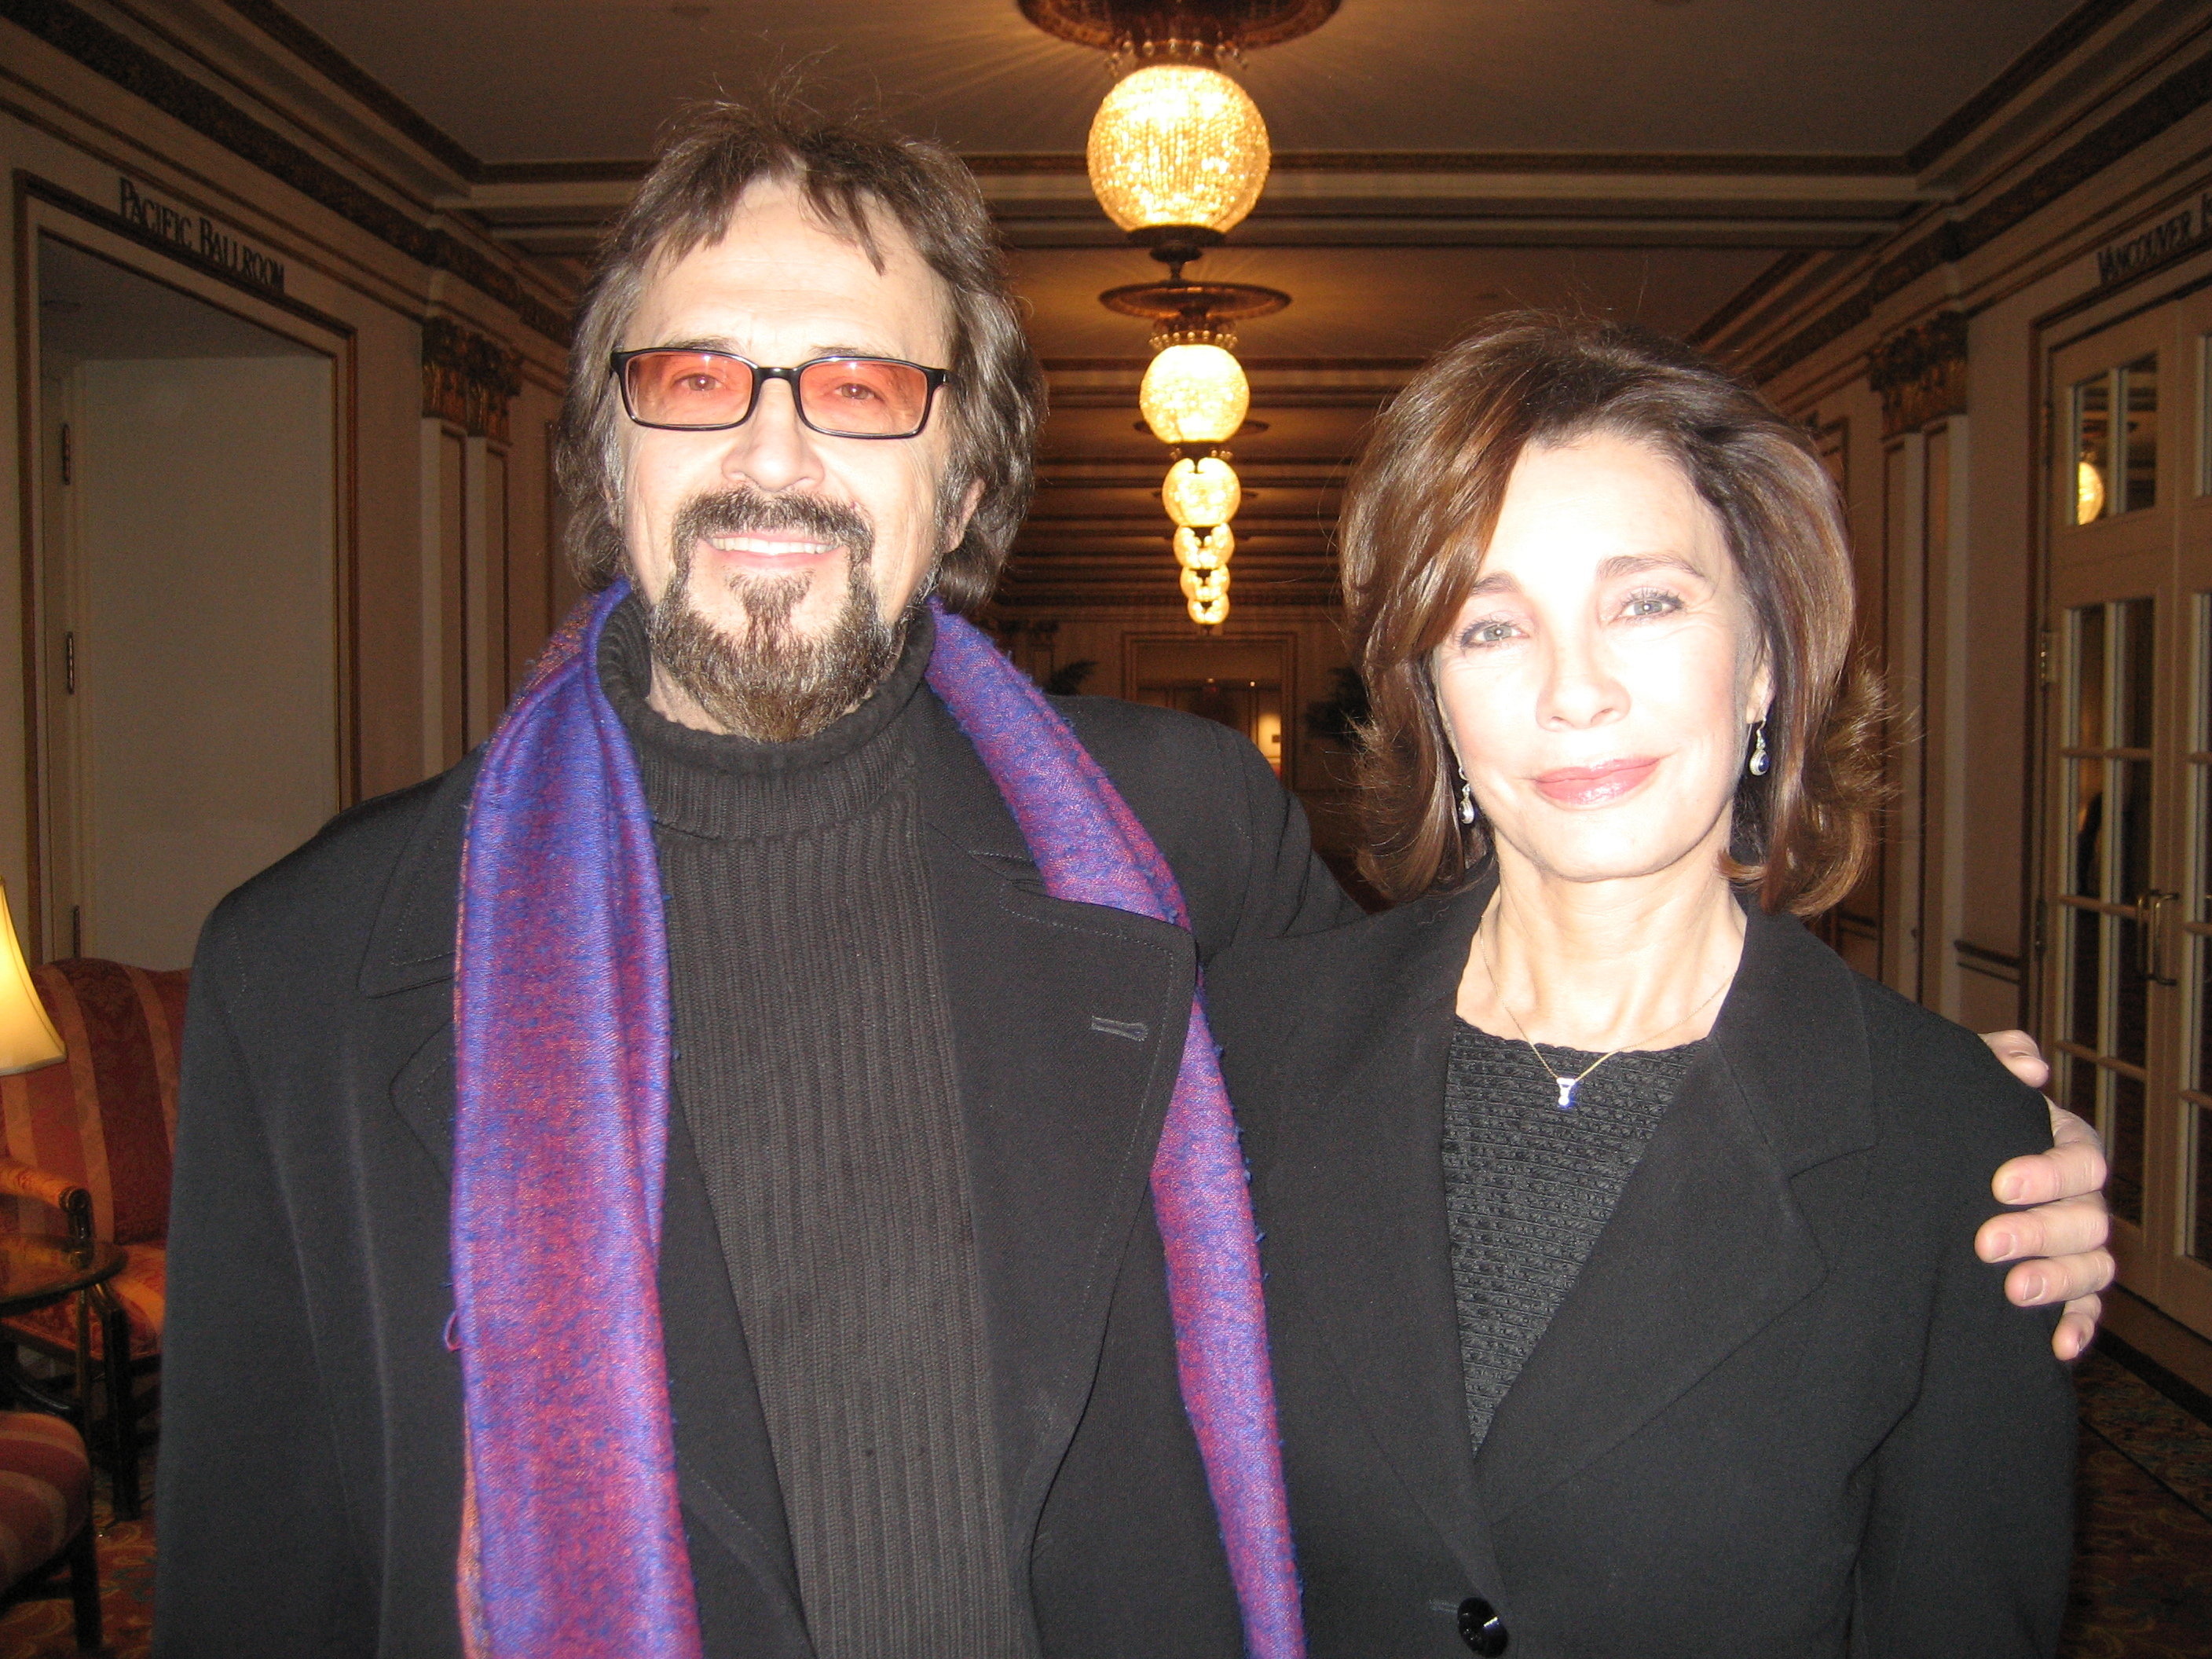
(27, 1038)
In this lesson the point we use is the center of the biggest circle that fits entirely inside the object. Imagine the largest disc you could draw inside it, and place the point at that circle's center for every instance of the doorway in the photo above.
(184, 631)
(1238, 683)
(2125, 933)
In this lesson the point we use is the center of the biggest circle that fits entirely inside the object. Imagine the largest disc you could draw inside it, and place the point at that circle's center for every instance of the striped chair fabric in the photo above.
(46, 1490)
(106, 1120)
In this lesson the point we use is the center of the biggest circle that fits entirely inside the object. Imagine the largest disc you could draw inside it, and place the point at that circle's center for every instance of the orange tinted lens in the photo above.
(864, 397)
(689, 388)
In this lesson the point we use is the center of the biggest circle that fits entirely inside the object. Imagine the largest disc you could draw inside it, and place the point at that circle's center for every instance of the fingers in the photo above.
(2073, 1167)
(2069, 1227)
(2020, 1056)
(2076, 1326)
(2046, 1280)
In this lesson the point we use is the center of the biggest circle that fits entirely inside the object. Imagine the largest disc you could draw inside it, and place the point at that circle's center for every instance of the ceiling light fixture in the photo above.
(1178, 152)
(1195, 397)
(1177, 156)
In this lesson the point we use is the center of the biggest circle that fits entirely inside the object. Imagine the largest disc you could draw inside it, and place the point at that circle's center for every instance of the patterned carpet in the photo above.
(2142, 1573)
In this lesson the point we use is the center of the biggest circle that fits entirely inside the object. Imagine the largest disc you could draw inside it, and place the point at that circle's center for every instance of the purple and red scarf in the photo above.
(572, 1546)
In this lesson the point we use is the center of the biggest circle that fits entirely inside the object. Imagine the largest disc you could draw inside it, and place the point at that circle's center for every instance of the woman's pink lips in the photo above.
(1589, 786)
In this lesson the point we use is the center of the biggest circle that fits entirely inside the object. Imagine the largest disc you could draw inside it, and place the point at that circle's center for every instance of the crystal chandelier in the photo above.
(1195, 391)
(1177, 156)
(1201, 493)
(1194, 399)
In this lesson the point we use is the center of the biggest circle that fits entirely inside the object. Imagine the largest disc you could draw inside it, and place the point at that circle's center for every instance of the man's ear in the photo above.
(956, 524)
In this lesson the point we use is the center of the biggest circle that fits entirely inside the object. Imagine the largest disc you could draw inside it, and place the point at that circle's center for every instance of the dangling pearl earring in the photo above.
(1466, 802)
(1757, 766)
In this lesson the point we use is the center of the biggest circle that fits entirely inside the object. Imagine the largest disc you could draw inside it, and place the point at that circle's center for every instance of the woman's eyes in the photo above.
(1494, 631)
(1652, 602)
(1639, 606)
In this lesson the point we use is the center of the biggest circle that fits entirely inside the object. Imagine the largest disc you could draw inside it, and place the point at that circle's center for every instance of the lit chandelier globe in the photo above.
(1194, 393)
(1204, 550)
(1205, 586)
(1201, 492)
(1177, 145)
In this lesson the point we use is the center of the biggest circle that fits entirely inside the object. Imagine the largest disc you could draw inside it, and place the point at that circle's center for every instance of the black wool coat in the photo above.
(1785, 1412)
(311, 1463)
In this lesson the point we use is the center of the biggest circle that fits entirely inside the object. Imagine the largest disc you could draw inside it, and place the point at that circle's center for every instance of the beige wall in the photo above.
(205, 706)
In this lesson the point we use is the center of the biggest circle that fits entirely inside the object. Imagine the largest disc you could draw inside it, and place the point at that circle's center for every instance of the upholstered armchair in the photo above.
(89, 1141)
(45, 1518)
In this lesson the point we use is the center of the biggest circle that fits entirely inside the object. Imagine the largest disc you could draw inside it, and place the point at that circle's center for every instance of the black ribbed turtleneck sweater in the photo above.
(813, 1065)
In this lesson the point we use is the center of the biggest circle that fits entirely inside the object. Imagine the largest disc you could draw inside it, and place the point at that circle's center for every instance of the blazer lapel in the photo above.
(1068, 1023)
(1707, 1247)
(1364, 1213)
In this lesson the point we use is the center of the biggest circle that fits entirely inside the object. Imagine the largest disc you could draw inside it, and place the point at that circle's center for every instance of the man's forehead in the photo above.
(779, 257)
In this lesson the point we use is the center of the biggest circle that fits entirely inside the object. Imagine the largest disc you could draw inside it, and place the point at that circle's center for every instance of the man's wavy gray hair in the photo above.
(850, 169)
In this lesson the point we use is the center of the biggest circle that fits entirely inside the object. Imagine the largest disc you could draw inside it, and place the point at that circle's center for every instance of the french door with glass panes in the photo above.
(2126, 919)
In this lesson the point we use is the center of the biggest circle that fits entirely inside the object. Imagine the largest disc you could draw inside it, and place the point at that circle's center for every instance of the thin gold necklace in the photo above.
(1568, 1084)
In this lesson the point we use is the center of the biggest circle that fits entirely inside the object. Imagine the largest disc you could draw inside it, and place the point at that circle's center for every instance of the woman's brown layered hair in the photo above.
(1417, 517)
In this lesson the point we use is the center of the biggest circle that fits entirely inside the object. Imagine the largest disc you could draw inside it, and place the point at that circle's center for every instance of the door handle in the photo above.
(2154, 928)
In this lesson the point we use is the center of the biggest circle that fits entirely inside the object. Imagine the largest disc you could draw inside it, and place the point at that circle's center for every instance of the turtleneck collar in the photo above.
(707, 784)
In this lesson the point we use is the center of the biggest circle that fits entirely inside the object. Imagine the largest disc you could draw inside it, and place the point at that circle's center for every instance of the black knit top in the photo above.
(1528, 1187)
(814, 1067)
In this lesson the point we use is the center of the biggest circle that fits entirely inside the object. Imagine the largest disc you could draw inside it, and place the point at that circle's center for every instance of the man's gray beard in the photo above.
(770, 682)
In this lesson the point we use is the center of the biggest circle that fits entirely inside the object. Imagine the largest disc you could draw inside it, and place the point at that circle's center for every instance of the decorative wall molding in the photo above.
(76, 32)
(1921, 373)
(468, 378)
(2179, 96)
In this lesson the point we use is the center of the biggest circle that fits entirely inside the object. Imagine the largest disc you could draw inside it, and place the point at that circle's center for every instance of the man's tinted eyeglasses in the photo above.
(687, 390)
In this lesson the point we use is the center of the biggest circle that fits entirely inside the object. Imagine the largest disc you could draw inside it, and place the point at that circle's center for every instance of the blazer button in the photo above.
(1481, 1627)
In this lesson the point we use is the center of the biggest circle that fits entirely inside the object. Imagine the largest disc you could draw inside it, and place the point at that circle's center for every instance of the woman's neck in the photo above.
(1638, 962)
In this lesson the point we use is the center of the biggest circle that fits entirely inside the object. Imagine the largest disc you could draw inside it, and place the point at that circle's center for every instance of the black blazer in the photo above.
(311, 1472)
(1785, 1412)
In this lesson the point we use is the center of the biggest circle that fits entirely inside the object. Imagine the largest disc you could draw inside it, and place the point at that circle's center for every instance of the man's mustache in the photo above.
(749, 512)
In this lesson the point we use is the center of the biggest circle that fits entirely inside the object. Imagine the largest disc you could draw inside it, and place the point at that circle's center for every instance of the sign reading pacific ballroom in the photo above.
(198, 233)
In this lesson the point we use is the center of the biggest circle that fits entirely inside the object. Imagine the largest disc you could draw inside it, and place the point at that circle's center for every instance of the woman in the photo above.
(1619, 1237)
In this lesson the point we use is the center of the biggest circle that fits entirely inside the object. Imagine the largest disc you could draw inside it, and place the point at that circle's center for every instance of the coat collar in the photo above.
(1706, 1248)
(411, 943)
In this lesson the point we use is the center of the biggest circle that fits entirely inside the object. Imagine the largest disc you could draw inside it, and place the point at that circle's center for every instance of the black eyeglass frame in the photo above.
(618, 365)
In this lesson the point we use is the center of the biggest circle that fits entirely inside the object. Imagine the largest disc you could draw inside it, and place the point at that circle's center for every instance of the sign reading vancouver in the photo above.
(198, 233)
(2169, 236)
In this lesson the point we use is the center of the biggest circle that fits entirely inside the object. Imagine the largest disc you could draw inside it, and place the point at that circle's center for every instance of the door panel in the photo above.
(2127, 785)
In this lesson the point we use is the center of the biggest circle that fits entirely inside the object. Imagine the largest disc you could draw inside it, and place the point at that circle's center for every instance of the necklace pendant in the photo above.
(1566, 1092)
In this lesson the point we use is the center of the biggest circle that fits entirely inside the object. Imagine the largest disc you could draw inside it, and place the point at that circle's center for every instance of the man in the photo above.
(789, 1094)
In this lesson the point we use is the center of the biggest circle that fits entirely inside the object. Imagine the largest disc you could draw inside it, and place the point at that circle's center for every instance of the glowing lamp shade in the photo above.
(2088, 493)
(1177, 144)
(1201, 493)
(1195, 394)
(1204, 550)
(1210, 613)
(28, 1037)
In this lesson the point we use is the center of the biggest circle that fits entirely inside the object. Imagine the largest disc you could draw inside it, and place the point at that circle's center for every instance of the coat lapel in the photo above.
(1707, 1247)
(1382, 1267)
(1068, 1024)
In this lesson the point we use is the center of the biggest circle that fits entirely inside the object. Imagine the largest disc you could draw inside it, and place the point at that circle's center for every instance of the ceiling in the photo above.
(1769, 76)
(1436, 161)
